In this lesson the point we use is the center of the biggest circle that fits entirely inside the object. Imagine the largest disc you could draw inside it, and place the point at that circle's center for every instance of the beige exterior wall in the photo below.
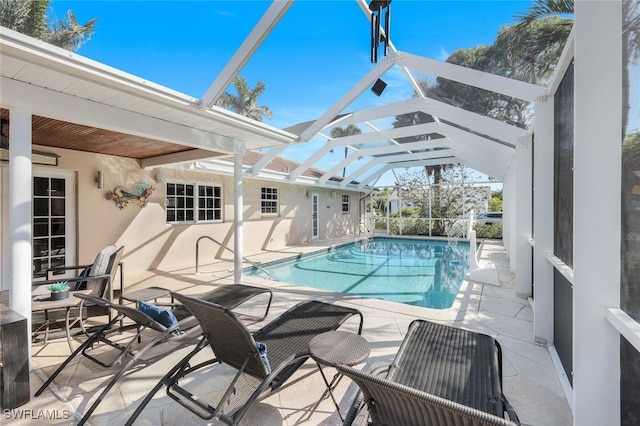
(151, 243)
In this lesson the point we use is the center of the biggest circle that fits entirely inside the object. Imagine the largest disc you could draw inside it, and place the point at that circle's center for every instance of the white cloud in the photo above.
(443, 54)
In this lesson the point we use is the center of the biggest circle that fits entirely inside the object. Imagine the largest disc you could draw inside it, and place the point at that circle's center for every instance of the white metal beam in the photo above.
(257, 35)
(349, 97)
(400, 158)
(402, 165)
(484, 80)
(381, 150)
(476, 122)
(267, 158)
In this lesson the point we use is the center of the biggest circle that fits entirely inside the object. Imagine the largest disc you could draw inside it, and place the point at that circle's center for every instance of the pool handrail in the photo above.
(255, 265)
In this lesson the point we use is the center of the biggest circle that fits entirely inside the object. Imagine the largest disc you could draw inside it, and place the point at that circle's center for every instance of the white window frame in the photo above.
(346, 202)
(195, 204)
(270, 191)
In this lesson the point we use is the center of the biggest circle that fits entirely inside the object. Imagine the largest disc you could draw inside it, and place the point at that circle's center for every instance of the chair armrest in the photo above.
(49, 271)
(358, 413)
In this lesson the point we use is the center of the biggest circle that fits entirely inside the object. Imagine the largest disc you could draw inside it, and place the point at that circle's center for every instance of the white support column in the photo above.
(523, 249)
(543, 221)
(20, 189)
(597, 179)
(238, 222)
(508, 207)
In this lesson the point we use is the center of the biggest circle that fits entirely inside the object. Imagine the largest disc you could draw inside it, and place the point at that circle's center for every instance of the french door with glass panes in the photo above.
(54, 240)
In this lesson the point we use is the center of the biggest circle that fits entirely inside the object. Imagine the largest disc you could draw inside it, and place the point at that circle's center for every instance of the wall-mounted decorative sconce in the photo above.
(333, 194)
(100, 179)
(306, 193)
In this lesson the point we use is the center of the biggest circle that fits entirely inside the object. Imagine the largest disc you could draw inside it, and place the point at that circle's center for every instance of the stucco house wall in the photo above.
(151, 243)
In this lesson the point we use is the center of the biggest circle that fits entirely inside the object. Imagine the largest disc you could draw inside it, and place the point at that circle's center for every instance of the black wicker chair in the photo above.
(287, 339)
(441, 375)
(184, 333)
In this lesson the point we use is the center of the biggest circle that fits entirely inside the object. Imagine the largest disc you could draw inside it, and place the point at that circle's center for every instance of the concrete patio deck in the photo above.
(530, 380)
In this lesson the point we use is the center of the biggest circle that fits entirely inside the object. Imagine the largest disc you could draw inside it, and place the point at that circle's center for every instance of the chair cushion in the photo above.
(262, 349)
(82, 285)
(101, 262)
(99, 267)
(163, 316)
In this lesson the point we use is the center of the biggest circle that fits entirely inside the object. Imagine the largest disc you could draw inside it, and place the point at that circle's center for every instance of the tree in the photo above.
(630, 35)
(30, 17)
(445, 201)
(246, 100)
(414, 118)
(339, 132)
(524, 51)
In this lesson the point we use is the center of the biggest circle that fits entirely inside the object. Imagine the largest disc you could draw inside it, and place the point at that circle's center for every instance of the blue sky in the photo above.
(312, 58)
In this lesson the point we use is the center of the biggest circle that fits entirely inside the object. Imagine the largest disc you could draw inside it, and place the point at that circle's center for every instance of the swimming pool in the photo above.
(416, 272)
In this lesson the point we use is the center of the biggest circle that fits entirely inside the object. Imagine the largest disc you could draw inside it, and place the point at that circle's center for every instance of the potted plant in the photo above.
(59, 291)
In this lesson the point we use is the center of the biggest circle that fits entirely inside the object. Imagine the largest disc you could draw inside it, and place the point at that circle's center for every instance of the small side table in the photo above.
(43, 302)
(144, 294)
(337, 348)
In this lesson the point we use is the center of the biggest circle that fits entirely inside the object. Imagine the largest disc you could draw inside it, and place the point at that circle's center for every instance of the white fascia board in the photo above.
(29, 51)
(51, 57)
(178, 157)
(258, 34)
(346, 100)
(484, 80)
(247, 124)
(73, 109)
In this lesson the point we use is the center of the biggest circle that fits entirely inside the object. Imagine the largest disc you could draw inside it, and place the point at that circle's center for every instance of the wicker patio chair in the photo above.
(287, 339)
(441, 375)
(186, 331)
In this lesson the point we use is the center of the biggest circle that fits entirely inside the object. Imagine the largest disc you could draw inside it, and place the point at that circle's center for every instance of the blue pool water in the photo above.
(416, 272)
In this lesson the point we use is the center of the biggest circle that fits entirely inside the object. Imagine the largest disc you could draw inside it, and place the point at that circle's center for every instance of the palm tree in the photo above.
(30, 17)
(339, 132)
(630, 35)
(246, 101)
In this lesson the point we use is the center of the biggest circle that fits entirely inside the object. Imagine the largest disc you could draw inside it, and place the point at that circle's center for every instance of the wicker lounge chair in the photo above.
(185, 332)
(287, 339)
(441, 375)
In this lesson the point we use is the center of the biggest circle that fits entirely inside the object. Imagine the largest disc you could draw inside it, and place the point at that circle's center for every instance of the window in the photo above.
(183, 204)
(345, 203)
(209, 203)
(269, 201)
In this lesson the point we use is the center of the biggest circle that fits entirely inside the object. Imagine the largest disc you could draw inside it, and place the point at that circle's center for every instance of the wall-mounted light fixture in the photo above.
(306, 193)
(100, 179)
